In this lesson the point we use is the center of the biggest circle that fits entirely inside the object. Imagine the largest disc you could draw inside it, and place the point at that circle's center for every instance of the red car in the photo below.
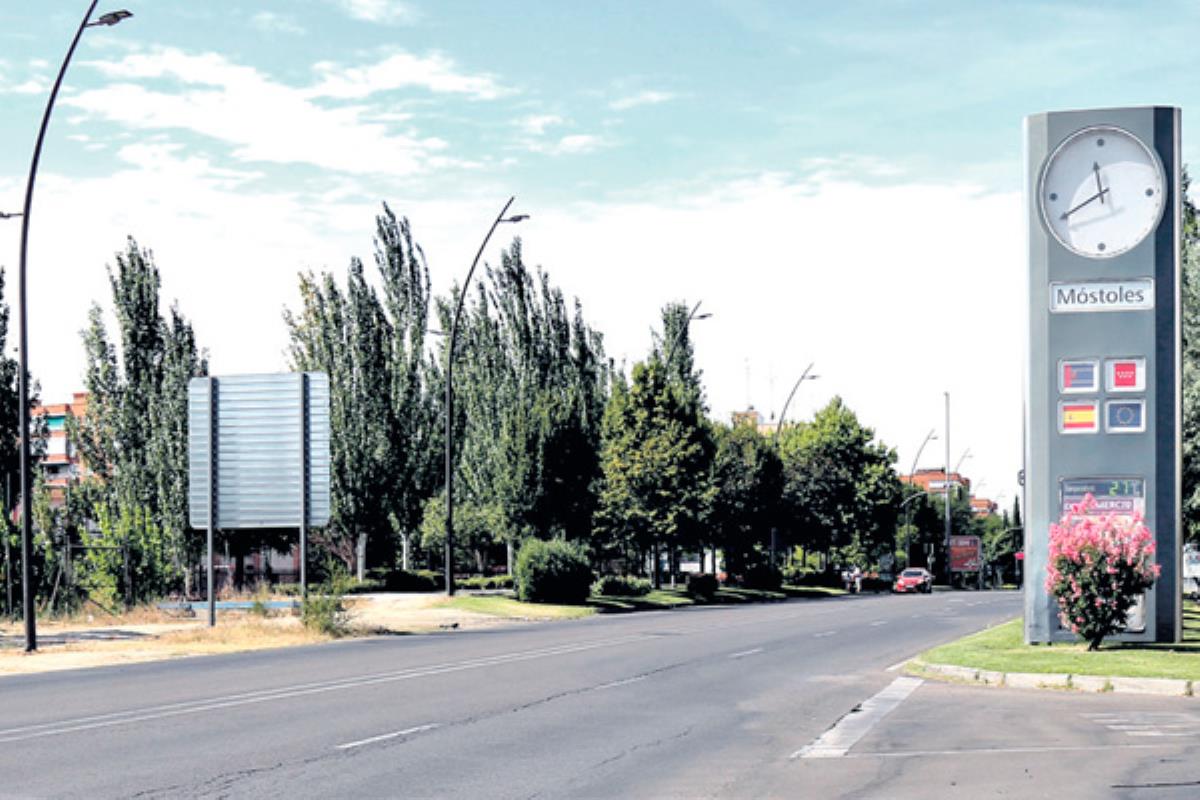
(914, 579)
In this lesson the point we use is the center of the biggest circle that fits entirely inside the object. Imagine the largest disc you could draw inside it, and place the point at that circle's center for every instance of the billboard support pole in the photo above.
(303, 484)
(212, 495)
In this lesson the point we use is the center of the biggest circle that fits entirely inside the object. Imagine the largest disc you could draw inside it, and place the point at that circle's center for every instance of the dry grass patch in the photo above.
(176, 640)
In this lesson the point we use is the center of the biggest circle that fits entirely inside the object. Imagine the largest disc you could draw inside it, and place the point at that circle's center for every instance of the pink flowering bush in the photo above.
(1098, 566)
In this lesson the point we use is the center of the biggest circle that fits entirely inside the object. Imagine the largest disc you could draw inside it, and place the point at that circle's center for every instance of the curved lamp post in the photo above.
(916, 460)
(462, 297)
(804, 376)
(966, 454)
(679, 333)
(27, 598)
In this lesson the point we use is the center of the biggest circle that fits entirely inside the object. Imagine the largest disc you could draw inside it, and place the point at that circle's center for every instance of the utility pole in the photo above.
(946, 515)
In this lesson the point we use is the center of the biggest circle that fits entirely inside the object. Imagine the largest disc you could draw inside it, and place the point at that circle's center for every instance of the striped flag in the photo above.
(1079, 417)
(1079, 376)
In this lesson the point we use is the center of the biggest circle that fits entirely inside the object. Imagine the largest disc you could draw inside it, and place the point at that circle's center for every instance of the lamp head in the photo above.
(516, 218)
(113, 17)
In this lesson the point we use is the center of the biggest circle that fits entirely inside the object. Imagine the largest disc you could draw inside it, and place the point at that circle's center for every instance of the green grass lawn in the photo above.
(500, 606)
(1002, 649)
(656, 600)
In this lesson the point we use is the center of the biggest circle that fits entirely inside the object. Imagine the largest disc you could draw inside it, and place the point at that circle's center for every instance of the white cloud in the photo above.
(536, 124)
(575, 144)
(435, 72)
(262, 119)
(277, 23)
(391, 12)
(648, 97)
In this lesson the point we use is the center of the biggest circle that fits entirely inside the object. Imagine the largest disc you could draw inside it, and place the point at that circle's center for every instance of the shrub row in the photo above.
(621, 586)
(487, 582)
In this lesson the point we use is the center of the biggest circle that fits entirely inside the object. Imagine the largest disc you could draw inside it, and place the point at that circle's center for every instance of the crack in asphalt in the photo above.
(642, 746)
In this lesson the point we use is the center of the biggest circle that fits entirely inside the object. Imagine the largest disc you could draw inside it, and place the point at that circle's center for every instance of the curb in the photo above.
(1166, 687)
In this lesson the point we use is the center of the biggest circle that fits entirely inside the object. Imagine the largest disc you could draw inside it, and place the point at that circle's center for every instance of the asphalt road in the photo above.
(704, 702)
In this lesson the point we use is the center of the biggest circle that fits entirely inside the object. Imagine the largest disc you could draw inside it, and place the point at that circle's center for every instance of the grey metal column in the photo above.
(1096, 307)
(946, 510)
(212, 495)
(303, 484)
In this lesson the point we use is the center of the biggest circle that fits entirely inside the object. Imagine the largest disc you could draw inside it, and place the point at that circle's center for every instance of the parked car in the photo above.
(914, 579)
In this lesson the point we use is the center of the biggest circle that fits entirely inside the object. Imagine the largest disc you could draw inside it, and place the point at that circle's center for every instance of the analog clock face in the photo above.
(1101, 192)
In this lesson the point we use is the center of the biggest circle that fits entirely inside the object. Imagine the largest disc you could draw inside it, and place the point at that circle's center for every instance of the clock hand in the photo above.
(1100, 194)
(1099, 188)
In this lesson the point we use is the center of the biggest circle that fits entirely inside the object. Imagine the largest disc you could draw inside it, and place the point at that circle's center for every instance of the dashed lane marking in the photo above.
(745, 653)
(386, 736)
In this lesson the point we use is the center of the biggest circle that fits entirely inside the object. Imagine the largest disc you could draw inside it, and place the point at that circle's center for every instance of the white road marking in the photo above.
(879, 622)
(1160, 733)
(386, 736)
(625, 682)
(836, 741)
(823, 634)
(897, 665)
(745, 653)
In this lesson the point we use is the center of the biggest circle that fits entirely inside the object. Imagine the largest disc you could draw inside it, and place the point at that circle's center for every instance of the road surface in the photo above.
(701, 702)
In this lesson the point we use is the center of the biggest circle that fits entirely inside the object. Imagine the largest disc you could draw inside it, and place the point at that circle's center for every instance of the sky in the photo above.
(837, 184)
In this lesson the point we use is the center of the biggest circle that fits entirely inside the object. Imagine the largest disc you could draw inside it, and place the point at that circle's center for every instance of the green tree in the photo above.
(747, 478)
(655, 459)
(383, 418)
(133, 438)
(1190, 434)
(529, 392)
(839, 486)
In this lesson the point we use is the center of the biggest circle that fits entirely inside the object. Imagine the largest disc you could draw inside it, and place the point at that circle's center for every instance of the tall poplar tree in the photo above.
(382, 416)
(133, 438)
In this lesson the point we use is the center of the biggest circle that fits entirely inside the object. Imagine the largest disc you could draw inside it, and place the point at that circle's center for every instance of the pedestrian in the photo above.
(857, 575)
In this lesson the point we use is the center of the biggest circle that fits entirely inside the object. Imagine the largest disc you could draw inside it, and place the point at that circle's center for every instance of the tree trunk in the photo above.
(656, 568)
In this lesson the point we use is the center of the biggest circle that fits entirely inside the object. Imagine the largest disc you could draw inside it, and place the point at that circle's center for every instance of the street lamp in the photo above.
(679, 333)
(929, 437)
(9, 215)
(462, 297)
(27, 599)
(966, 454)
(804, 376)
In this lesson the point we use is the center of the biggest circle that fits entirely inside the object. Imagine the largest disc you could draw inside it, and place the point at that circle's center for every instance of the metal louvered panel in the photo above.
(258, 440)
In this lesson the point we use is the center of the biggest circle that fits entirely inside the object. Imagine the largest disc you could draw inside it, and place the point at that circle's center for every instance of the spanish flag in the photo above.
(1079, 417)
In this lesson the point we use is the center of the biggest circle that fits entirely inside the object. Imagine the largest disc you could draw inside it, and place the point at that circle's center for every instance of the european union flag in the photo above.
(1126, 416)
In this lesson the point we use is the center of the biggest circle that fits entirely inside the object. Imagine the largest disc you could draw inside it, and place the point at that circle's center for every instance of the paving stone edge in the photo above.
(1059, 681)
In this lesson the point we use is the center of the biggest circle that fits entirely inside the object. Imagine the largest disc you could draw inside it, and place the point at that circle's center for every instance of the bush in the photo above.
(369, 586)
(399, 580)
(324, 610)
(554, 571)
(763, 577)
(487, 582)
(1098, 566)
(621, 586)
(702, 586)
